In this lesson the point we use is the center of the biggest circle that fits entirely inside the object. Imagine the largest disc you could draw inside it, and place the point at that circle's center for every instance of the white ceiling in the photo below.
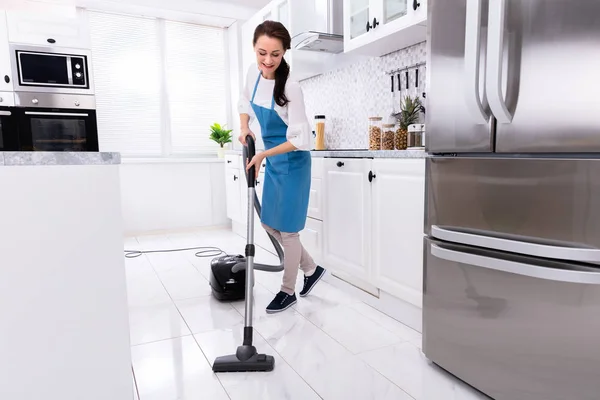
(209, 12)
(258, 4)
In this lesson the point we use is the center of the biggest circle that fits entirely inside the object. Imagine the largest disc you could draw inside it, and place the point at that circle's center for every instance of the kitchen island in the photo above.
(63, 298)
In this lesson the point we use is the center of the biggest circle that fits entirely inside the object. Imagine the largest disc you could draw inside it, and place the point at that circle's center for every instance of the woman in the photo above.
(278, 104)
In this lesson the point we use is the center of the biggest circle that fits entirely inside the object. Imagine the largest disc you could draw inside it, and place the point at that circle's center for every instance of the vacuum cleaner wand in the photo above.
(248, 152)
(246, 358)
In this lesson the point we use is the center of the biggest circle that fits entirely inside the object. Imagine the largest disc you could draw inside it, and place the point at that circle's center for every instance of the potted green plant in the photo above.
(220, 135)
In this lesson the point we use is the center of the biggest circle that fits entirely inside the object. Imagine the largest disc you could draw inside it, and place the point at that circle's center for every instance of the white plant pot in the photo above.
(221, 152)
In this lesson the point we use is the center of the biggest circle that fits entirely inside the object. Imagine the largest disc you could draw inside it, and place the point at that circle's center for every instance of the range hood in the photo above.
(325, 26)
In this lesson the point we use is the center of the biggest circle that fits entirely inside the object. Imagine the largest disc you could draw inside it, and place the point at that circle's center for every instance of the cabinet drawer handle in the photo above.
(51, 41)
(6, 78)
(375, 23)
(235, 178)
(340, 164)
(416, 4)
(368, 26)
(372, 176)
(228, 161)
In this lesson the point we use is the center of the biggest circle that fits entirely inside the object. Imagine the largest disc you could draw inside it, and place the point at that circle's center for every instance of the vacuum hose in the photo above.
(248, 153)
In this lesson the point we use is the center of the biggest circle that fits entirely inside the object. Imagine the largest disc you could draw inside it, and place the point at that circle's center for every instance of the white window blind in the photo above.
(127, 76)
(160, 85)
(196, 86)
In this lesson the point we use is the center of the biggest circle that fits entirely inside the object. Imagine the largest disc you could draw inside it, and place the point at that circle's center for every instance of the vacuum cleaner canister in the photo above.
(227, 285)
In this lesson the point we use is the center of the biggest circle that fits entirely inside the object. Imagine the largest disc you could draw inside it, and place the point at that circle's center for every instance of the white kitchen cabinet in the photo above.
(312, 239)
(43, 29)
(232, 188)
(347, 215)
(378, 27)
(5, 70)
(397, 238)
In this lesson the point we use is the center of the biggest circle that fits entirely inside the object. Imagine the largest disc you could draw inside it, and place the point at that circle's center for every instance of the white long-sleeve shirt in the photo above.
(293, 114)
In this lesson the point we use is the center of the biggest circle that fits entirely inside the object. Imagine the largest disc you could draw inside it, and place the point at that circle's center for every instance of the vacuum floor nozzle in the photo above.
(256, 363)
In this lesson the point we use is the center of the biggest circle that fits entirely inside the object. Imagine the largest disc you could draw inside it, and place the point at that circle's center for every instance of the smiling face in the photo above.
(269, 52)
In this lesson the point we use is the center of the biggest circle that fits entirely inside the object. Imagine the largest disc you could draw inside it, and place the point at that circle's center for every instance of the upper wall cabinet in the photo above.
(48, 30)
(379, 27)
(5, 69)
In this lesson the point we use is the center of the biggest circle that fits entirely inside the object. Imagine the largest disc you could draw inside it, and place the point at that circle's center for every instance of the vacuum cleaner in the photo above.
(232, 277)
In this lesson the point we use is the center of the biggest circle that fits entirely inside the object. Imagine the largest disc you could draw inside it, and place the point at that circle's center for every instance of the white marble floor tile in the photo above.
(281, 383)
(323, 296)
(167, 261)
(144, 289)
(303, 345)
(175, 369)
(153, 323)
(138, 267)
(204, 314)
(351, 378)
(387, 322)
(407, 367)
(353, 330)
(184, 282)
(153, 242)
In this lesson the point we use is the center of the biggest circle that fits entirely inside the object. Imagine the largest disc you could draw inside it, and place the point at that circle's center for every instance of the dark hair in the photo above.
(276, 30)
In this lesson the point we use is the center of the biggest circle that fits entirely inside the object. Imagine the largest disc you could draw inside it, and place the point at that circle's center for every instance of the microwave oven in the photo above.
(51, 70)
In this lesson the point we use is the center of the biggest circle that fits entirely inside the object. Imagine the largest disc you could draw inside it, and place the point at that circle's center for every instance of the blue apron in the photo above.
(287, 176)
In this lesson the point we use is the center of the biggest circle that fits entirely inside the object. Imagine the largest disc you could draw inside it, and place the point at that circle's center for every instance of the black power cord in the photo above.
(205, 251)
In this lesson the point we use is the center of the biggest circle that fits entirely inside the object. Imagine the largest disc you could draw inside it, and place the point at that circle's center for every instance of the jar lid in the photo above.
(319, 117)
(389, 125)
(375, 118)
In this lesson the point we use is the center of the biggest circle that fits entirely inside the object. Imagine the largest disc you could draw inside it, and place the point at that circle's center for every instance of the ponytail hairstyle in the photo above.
(276, 30)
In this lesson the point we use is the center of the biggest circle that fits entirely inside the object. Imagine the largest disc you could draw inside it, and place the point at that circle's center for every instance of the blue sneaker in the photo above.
(311, 281)
(281, 302)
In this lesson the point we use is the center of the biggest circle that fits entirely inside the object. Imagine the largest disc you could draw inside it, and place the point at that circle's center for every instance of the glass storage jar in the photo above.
(375, 133)
(320, 132)
(387, 137)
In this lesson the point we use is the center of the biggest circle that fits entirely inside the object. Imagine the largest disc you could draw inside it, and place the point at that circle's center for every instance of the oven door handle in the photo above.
(514, 246)
(5, 113)
(56, 114)
(534, 271)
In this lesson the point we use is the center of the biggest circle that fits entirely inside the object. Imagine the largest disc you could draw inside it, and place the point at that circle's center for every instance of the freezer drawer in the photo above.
(540, 207)
(514, 327)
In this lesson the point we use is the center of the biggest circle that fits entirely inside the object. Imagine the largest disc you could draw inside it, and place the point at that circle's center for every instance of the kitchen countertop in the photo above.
(369, 153)
(359, 153)
(16, 158)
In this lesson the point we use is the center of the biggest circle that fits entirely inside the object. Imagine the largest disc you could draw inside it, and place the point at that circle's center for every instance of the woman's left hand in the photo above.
(255, 162)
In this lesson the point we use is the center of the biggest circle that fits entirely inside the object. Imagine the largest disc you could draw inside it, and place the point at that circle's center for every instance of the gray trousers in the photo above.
(295, 255)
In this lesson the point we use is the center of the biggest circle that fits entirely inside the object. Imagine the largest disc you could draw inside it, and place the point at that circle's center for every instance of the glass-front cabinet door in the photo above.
(359, 17)
(394, 9)
(283, 11)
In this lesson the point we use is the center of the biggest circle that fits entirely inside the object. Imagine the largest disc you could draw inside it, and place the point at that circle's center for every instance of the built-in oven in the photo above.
(55, 122)
(51, 70)
(8, 129)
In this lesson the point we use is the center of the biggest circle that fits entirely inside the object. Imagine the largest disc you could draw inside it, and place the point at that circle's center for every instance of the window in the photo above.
(159, 85)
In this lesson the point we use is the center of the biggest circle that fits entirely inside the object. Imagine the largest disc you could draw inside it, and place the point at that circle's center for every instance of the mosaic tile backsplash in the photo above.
(349, 96)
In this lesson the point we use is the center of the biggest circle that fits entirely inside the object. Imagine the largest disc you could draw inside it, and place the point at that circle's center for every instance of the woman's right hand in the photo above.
(246, 132)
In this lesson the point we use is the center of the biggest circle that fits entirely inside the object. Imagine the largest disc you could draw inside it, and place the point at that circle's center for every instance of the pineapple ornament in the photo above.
(409, 114)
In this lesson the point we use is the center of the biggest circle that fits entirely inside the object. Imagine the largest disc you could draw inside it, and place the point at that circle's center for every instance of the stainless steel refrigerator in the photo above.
(512, 227)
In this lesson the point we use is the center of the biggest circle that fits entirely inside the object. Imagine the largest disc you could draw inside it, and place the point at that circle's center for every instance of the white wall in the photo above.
(160, 196)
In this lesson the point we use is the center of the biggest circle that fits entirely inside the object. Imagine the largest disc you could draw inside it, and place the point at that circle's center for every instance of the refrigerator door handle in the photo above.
(534, 271)
(477, 105)
(515, 246)
(495, 53)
